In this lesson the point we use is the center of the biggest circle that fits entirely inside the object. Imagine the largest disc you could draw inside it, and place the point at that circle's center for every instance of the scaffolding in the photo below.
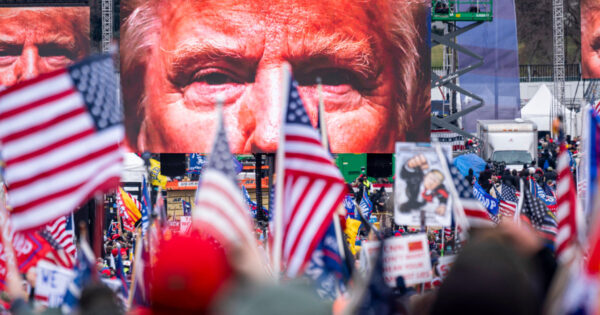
(558, 103)
(107, 25)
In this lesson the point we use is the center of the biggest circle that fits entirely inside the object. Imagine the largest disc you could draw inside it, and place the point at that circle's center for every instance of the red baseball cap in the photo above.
(188, 282)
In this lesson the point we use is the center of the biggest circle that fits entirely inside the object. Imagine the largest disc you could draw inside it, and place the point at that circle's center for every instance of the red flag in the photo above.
(60, 135)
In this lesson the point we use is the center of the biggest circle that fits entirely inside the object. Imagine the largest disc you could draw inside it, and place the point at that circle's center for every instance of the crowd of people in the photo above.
(505, 270)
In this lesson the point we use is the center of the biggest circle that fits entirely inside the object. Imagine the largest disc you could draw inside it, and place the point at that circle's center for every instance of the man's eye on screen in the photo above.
(216, 78)
(596, 44)
(8, 55)
(335, 80)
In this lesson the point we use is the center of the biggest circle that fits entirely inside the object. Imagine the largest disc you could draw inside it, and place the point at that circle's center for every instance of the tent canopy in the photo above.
(538, 110)
(134, 169)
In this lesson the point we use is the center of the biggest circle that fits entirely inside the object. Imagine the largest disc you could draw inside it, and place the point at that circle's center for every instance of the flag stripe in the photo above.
(56, 158)
(108, 178)
(34, 89)
(57, 120)
(65, 104)
(21, 202)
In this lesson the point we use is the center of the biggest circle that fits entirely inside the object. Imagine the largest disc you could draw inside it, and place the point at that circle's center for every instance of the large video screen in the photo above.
(590, 39)
(36, 40)
(178, 57)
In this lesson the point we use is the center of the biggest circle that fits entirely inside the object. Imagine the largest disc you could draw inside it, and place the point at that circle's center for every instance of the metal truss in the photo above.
(447, 80)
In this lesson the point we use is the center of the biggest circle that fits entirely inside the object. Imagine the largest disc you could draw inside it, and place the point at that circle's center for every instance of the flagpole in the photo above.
(325, 141)
(278, 237)
(520, 204)
(137, 255)
(98, 224)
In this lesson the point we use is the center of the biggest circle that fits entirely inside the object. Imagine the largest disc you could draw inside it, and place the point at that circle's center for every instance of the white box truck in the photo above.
(512, 142)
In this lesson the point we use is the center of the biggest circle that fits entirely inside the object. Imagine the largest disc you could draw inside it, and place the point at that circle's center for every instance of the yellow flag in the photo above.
(351, 231)
(157, 178)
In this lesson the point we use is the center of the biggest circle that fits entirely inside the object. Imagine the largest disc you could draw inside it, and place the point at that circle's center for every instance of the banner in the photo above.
(420, 185)
(489, 202)
(406, 256)
(185, 224)
(51, 283)
(29, 249)
(157, 178)
(497, 80)
(197, 161)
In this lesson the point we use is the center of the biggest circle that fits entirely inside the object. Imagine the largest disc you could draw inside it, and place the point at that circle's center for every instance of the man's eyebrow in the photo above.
(207, 49)
(8, 39)
(338, 49)
(60, 39)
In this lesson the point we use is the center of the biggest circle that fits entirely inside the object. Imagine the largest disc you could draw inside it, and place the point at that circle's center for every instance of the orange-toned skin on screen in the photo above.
(236, 49)
(39, 40)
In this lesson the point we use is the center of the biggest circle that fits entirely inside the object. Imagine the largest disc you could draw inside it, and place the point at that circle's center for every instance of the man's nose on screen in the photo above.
(27, 65)
(265, 102)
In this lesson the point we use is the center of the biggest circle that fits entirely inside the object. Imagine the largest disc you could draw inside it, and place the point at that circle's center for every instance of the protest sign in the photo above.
(29, 248)
(51, 283)
(175, 226)
(406, 256)
(420, 185)
(444, 265)
(185, 224)
(489, 202)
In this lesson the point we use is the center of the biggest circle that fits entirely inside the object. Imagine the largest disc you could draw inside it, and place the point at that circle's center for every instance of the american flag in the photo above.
(60, 135)
(566, 209)
(313, 186)
(539, 216)
(476, 213)
(61, 240)
(220, 208)
(509, 198)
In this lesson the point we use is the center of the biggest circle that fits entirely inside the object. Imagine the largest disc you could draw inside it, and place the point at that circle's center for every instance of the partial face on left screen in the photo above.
(41, 39)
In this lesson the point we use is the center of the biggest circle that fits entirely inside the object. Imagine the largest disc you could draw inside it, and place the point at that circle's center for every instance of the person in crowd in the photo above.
(485, 178)
(178, 56)
(36, 40)
(379, 198)
(470, 177)
(361, 183)
(503, 271)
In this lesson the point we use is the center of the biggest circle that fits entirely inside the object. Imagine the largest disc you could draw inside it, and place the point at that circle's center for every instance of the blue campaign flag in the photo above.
(187, 208)
(538, 191)
(489, 202)
(196, 162)
(350, 206)
(326, 267)
(366, 206)
(84, 273)
(121, 275)
(145, 211)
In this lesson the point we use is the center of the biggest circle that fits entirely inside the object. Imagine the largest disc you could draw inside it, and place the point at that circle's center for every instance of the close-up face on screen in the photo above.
(590, 39)
(179, 57)
(36, 40)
